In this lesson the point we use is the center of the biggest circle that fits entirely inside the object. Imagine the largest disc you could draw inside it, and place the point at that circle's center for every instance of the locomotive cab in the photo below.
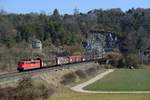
(29, 64)
(20, 64)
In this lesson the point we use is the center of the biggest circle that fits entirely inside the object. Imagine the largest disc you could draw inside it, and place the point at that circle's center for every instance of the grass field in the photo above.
(126, 78)
(69, 95)
(123, 80)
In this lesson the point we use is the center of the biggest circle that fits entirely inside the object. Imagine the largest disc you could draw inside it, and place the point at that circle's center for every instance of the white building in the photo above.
(36, 44)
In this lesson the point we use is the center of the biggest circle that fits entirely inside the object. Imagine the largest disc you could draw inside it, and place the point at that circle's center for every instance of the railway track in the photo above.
(30, 73)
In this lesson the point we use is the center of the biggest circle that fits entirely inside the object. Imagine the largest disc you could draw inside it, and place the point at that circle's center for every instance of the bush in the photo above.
(122, 63)
(90, 71)
(98, 67)
(68, 78)
(25, 91)
(114, 58)
(80, 73)
(7, 93)
(28, 91)
(45, 92)
(132, 60)
(108, 66)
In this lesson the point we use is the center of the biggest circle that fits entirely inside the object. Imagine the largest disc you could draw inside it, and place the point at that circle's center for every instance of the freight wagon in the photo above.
(75, 58)
(62, 60)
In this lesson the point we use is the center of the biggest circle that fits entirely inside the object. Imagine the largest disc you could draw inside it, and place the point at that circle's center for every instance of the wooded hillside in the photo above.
(133, 26)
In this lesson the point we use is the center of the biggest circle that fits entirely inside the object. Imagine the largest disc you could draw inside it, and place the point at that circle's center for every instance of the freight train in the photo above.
(28, 64)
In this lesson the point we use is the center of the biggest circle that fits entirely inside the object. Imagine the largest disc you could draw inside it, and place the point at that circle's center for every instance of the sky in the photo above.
(68, 6)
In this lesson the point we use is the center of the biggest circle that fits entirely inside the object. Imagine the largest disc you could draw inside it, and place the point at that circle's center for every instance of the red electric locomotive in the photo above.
(27, 64)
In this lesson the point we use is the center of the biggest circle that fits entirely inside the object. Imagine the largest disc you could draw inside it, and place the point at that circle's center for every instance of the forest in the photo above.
(133, 25)
(69, 30)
